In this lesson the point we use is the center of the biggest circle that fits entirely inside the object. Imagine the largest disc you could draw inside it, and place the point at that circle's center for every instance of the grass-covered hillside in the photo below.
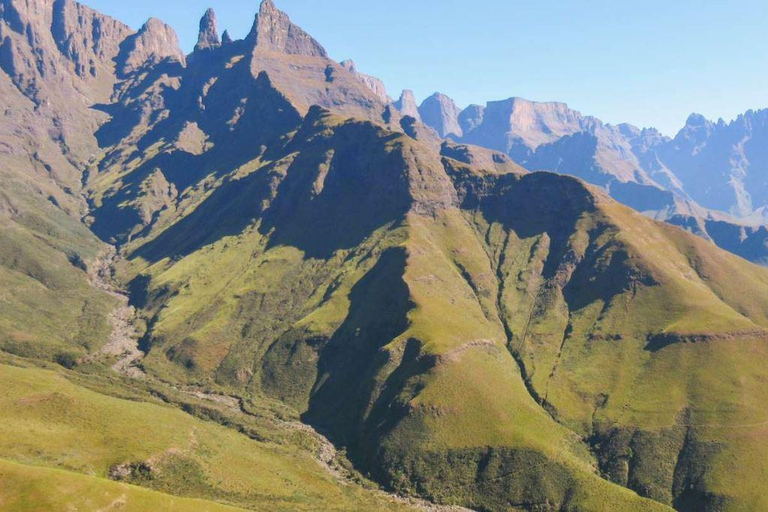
(304, 264)
(468, 332)
(393, 321)
(95, 430)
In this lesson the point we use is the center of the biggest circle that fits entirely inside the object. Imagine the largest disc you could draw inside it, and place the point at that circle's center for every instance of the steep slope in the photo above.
(368, 281)
(178, 129)
(590, 314)
(366, 358)
(495, 265)
(67, 89)
(56, 60)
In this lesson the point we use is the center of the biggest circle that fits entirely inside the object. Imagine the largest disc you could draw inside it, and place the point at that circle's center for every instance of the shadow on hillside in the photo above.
(546, 203)
(338, 190)
(347, 363)
(227, 212)
(240, 116)
(335, 196)
(127, 114)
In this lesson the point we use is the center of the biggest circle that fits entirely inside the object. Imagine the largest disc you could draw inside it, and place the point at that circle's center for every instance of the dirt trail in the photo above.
(123, 341)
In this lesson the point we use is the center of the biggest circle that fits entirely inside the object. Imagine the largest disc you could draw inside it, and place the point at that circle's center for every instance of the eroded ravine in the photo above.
(123, 342)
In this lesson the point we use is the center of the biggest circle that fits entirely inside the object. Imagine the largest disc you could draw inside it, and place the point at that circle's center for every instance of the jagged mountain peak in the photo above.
(441, 113)
(208, 36)
(274, 31)
(267, 6)
(155, 42)
(697, 120)
(407, 105)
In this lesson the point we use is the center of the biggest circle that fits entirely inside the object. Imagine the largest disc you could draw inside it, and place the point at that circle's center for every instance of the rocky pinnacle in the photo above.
(407, 105)
(209, 34)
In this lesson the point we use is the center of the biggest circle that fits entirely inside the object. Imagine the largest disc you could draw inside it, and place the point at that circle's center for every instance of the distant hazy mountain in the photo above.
(723, 166)
(708, 172)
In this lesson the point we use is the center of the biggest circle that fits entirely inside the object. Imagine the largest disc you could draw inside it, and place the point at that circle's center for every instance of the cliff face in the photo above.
(153, 44)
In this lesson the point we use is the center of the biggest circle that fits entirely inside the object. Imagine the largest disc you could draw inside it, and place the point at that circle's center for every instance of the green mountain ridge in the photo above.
(463, 330)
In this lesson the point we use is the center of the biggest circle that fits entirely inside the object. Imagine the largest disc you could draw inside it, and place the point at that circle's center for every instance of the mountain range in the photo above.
(245, 278)
(707, 179)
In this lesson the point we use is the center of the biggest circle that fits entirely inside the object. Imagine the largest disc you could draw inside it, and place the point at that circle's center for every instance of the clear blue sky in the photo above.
(650, 63)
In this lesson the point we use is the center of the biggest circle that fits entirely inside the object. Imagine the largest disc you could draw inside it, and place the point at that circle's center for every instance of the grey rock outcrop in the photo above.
(373, 83)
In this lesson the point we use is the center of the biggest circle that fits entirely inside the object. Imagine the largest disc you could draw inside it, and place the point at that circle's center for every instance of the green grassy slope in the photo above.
(321, 322)
(645, 340)
(498, 339)
(39, 489)
(50, 420)
(47, 308)
(49, 311)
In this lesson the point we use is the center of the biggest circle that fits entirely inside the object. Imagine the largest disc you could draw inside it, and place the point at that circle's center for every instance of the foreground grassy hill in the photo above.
(97, 426)
(31, 488)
